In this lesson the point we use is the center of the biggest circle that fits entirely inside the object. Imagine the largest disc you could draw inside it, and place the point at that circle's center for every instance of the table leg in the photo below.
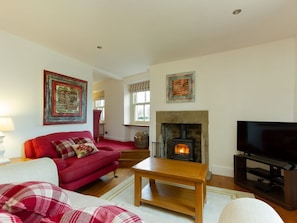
(137, 189)
(199, 194)
(204, 193)
(152, 182)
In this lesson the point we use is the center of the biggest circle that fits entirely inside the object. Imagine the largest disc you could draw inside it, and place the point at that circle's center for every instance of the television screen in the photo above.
(277, 140)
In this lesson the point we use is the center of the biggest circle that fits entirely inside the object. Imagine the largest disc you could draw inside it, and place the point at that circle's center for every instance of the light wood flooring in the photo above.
(107, 182)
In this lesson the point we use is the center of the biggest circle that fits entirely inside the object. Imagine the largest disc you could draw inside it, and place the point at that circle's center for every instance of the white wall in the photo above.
(295, 98)
(21, 89)
(114, 108)
(255, 83)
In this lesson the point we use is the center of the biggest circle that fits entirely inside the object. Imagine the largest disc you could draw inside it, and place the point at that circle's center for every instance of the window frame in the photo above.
(133, 108)
(102, 108)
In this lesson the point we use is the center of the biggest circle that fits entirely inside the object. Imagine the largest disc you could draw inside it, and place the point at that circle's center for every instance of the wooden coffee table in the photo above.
(175, 185)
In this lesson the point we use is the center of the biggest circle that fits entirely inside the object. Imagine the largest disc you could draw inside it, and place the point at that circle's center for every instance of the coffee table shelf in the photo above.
(170, 197)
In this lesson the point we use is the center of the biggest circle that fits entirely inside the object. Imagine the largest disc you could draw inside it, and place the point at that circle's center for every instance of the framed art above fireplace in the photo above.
(180, 87)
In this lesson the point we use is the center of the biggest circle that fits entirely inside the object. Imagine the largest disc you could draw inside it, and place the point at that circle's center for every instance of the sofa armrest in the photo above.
(29, 149)
(43, 169)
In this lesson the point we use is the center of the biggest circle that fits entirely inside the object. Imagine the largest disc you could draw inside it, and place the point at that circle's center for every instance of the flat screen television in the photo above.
(276, 140)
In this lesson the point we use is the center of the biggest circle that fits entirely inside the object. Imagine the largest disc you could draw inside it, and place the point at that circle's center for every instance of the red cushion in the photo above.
(60, 163)
(64, 147)
(29, 217)
(103, 214)
(6, 217)
(29, 149)
(80, 140)
(39, 197)
(43, 146)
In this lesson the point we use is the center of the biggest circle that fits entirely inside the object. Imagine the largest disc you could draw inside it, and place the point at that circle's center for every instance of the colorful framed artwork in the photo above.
(65, 99)
(180, 87)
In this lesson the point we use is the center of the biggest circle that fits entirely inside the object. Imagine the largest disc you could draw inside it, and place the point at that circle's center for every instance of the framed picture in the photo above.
(65, 99)
(180, 87)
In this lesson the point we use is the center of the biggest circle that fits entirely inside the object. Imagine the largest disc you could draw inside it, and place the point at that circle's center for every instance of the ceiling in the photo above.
(135, 34)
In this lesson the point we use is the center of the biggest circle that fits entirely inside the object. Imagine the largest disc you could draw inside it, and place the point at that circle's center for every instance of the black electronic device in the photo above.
(275, 140)
(263, 186)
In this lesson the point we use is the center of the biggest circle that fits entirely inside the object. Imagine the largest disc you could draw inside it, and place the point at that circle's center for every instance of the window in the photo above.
(140, 102)
(99, 105)
(141, 106)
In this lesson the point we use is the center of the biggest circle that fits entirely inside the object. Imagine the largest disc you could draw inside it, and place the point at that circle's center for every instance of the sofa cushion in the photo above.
(43, 146)
(32, 196)
(78, 168)
(29, 216)
(102, 214)
(84, 149)
(7, 217)
(60, 163)
(80, 140)
(64, 148)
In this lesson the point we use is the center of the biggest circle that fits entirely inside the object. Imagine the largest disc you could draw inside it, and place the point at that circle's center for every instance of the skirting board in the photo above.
(222, 170)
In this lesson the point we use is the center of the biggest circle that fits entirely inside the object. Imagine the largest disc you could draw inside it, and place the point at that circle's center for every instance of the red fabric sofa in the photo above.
(74, 172)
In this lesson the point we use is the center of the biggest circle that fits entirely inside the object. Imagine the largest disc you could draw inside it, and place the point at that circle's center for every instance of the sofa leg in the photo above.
(115, 174)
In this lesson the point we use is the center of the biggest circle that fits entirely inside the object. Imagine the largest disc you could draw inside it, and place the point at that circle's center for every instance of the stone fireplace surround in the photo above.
(189, 133)
(186, 117)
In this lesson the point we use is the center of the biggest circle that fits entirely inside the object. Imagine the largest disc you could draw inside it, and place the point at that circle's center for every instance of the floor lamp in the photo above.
(6, 125)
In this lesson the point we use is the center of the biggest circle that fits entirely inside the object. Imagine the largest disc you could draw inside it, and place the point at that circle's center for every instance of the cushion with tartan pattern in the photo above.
(41, 198)
(102, 214)
(64, 147)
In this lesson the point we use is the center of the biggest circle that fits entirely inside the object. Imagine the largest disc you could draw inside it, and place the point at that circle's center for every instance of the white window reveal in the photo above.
(140, 98)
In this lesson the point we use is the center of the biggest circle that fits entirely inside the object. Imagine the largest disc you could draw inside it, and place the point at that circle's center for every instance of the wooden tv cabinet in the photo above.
(272, 180)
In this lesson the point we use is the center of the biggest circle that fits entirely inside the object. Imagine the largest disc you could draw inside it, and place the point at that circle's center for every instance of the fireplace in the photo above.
(182, 148)
(169, 125)
(182, 141)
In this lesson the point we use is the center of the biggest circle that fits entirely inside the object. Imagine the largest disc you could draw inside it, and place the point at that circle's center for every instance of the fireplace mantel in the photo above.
(186, 117)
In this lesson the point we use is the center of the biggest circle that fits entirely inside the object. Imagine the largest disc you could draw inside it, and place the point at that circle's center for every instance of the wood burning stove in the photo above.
(183, 148)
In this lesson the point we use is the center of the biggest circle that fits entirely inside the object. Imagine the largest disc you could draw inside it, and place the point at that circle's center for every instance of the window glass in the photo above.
(99, 105)
(141, 106)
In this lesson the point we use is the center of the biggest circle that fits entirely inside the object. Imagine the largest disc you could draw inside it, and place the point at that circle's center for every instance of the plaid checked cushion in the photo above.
(80, 140)
(39, 197)
(84, 149)
(6, 217)
(102, 214)
(64, 147)
(29, 217)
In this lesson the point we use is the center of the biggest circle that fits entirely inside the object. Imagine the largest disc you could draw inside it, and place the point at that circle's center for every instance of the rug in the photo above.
(216, 199)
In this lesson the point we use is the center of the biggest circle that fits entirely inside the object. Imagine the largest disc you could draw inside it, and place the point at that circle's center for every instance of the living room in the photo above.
(250, 83)
(253, 83)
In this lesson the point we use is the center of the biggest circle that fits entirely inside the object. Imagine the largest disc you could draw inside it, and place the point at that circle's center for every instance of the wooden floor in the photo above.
(107, 182)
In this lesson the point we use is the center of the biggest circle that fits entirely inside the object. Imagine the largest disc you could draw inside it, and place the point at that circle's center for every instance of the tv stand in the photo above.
(277, 182)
